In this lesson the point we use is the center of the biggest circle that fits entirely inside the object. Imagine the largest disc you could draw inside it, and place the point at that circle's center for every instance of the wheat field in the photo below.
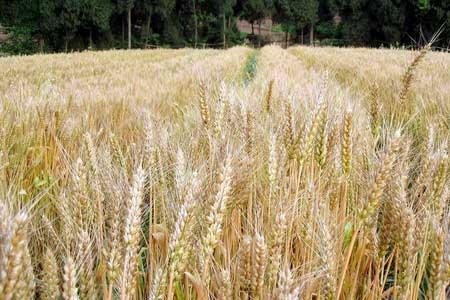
(300, 173)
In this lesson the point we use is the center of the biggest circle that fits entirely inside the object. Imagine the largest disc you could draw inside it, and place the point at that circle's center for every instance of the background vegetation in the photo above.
(62, 25)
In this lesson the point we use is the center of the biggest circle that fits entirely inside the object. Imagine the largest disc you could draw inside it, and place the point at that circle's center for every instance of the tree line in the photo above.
(65, 25)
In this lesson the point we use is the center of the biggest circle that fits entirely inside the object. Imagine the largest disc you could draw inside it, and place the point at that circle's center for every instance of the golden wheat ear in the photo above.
(16, 259)
(268, 98)
(370, 208)
(374, 108)
(436, 261)
(409, 75)
(225, 291)
(216, 217)
(51, 278)
(204, 109)
(245, 263)
(346, 147)
(259, 265)
(132, 235)
(70, 289)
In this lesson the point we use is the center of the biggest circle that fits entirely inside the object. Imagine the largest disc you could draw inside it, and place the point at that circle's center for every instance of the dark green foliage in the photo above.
(297, 13)
(95, 14)
(427, 16)
(65, 25)
(70, 19)
(20, 42)
(374, 22)
(305, 12)
(254, 10)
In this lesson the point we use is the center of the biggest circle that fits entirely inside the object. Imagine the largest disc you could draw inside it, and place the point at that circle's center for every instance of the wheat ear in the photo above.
(259, 266)
(216, 216)
(50, 289)
(387, 164)
(10, 277)
(268, 98)
(131, 236)
(408, 77)
(346, 148)
(204, 110)
(70, 290)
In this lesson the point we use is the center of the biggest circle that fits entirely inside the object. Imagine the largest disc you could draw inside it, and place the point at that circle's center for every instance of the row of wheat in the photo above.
(218, 175)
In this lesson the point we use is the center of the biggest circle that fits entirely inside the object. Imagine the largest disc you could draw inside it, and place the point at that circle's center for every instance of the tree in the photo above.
(284, 16)
(423, 19)
(305, 12)
(225, 10)
(355, 21)
(216, 21)
(194, 9)
(127, 6)
(70, 19)
(95, 16)
(374, 22)
(187, 15)
(145, 11)
(295, 14)
(171, 26)
(56, 25)
(254, 11)
(49, 22)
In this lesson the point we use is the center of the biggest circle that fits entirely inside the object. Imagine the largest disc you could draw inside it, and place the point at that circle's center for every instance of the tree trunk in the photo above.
(311, 35)
(41, 44)
(270, 31)
(195, 24)
(287, 37)
(253, 31)
(259, 30)
(123, 32)
(90, 39)
(129, 27)
(302, 35)
(148, 29)
(66, 44)
(224, 31)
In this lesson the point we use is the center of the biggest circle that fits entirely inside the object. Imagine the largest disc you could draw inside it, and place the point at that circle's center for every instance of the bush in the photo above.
(328, 30)
(20, 41)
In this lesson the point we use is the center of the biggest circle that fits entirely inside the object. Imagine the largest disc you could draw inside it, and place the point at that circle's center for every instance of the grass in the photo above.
(250, 67)
(210, 174)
